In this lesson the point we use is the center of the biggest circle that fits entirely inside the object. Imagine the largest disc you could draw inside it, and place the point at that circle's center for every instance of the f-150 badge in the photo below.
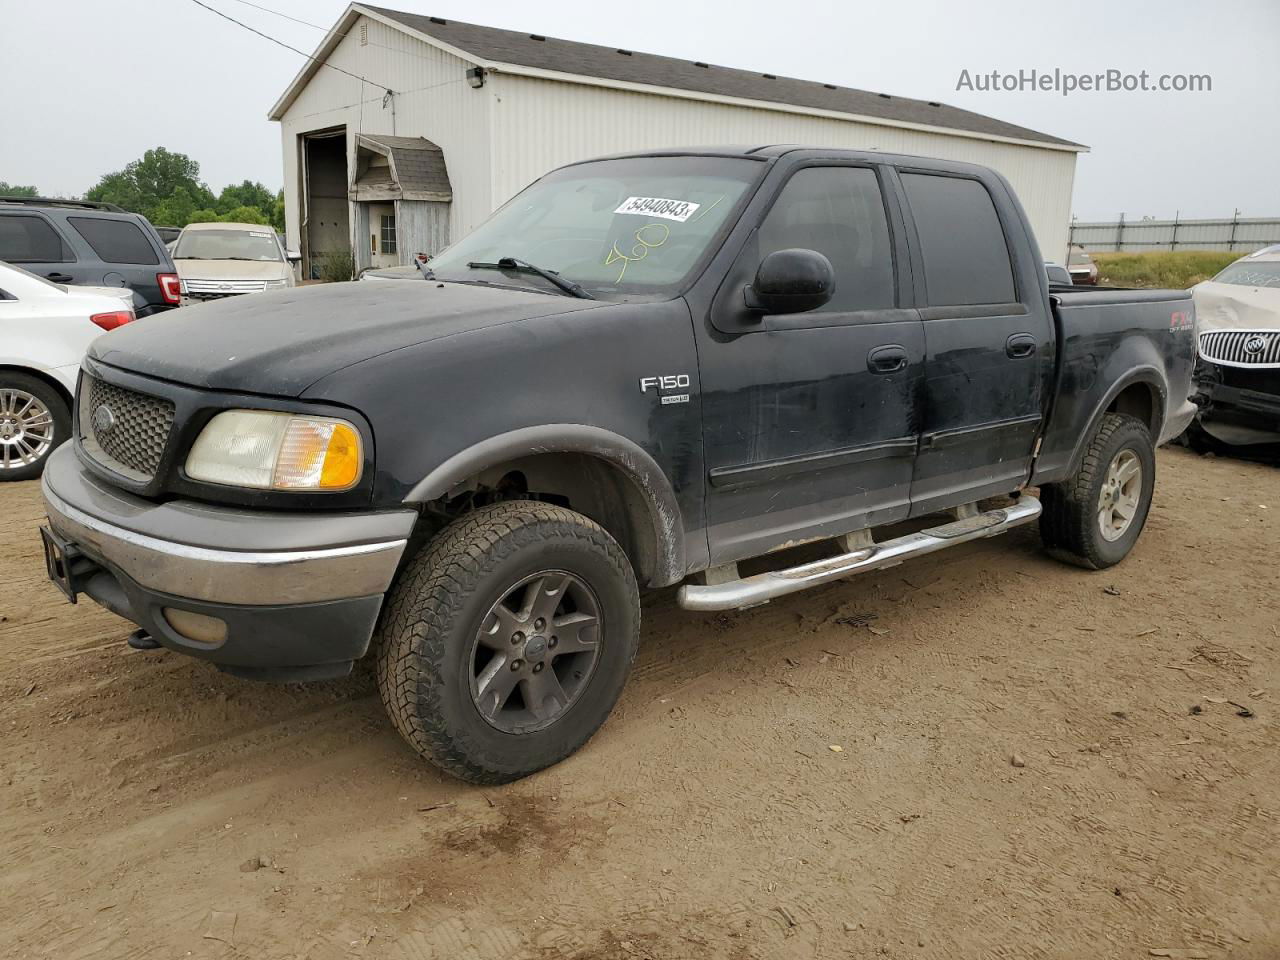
(671, 381)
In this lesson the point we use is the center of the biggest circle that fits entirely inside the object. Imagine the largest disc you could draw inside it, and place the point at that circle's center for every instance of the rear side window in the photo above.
(30, 239)
(115, 241)
(839, 212)
(966, 258)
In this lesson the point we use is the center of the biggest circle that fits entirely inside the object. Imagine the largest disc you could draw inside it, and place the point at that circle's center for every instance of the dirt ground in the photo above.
(831, 775)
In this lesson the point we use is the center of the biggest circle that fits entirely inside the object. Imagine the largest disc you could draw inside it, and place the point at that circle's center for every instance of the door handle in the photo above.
(890, 358)
(1020, 346)
(59, 277)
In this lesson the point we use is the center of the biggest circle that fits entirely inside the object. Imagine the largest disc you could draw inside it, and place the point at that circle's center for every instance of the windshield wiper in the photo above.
(524, 266)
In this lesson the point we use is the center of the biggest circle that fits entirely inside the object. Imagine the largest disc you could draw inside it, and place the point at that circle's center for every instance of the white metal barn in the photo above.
(406, 131)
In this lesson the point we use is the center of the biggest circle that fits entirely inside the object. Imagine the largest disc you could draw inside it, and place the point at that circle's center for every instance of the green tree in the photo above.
(145, 184)
(245, 194)
(277, 212)
(16, 190)
(244, 215)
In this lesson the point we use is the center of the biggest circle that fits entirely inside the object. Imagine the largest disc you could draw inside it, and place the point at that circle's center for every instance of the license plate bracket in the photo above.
(59, 561)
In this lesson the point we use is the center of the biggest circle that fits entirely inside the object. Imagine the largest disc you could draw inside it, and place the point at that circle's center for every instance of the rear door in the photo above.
(809, 419)
(988, 338)
(34, 242)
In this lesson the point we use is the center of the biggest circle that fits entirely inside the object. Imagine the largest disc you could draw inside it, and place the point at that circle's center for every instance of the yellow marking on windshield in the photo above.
(644, 243)
(705, 210)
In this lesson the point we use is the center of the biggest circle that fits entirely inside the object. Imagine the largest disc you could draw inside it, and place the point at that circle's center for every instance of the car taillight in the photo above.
(116, 318)
(170, 287)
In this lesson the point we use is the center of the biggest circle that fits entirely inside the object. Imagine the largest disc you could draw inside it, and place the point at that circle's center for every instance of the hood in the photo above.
(1231, 306)
(232, 269)
(280, 343)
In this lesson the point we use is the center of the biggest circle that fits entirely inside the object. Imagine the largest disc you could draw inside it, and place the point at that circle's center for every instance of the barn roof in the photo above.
(492, 47)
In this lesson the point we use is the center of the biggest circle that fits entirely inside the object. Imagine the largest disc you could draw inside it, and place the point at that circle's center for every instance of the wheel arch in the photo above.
(597, 472)
(1141, 393)
(43, 376)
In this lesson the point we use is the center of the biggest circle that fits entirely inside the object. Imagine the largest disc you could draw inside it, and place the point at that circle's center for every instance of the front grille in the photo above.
(124, 430)
(213, 289)
(1241, 348)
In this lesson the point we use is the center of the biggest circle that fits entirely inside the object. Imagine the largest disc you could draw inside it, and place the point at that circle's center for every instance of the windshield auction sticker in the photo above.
(678, 210)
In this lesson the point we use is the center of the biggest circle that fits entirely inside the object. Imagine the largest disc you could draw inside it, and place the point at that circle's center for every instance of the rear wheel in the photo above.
(507, 640)
(1093, 519)
(34, 421)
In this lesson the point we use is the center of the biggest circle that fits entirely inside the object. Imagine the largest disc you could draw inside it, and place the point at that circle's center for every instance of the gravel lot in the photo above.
(832, 775)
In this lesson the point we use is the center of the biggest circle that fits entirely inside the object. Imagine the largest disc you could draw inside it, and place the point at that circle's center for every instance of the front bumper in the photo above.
(299, 592)
(1238, 406)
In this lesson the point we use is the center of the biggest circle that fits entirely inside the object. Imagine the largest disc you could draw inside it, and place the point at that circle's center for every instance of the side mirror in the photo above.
(293, 256)
(791, 281)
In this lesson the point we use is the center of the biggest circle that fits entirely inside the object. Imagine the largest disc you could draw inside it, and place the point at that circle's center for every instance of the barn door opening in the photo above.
(326, 225)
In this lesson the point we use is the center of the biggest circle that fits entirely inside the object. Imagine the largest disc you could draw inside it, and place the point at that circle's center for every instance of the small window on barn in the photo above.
(364, 34)
(389, 234)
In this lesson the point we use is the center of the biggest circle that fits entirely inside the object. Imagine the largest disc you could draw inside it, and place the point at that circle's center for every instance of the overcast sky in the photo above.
(90, 84)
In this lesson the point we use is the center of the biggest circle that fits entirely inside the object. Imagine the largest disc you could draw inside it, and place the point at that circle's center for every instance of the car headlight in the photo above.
(277, 451)
(274, 284)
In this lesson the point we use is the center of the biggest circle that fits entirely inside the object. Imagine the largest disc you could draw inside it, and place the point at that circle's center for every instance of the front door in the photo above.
(383, 250)
(990, 347)
(809, 419)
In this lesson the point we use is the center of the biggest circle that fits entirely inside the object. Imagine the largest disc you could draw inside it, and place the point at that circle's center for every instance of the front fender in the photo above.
(639, 467)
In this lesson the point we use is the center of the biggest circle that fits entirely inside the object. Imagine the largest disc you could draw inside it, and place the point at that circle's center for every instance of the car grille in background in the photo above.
(123, 430)
(217, 289)
(1241, 348)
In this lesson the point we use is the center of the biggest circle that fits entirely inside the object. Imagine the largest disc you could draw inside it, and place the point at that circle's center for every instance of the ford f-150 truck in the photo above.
(639, 372)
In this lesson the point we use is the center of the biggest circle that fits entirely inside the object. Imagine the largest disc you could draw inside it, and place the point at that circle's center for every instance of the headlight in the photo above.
(274, 284)
(277, 451)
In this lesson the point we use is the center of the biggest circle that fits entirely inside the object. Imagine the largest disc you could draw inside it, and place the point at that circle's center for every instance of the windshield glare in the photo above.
(633, 226)
(1246, 274)
(227, 245)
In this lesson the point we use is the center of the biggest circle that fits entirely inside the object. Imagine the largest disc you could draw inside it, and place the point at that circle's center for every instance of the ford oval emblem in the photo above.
(1255, 344)
(224, 286)
(104, 421)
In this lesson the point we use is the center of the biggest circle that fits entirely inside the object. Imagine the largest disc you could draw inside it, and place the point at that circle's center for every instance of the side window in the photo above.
(115, 241)
(30, 239)
(966, 258)
(839, 212)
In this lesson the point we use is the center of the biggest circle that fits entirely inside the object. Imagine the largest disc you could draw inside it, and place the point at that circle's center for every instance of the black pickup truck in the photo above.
(639, 372)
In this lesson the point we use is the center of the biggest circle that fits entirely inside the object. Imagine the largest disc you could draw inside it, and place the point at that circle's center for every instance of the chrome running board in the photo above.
(763, 587)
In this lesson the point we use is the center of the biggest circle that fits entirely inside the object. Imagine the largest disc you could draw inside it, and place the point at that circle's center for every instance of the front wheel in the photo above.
(34, 421)
(1094, 518)
(507, 640)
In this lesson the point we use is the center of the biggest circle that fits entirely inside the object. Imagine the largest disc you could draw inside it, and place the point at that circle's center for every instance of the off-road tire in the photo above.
(54, 403)
(1069, 526)
(425, 637)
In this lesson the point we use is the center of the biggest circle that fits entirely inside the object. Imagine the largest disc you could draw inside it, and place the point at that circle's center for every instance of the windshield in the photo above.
(1078, 256)
(1246, 274)
(636, 226)
(227, 245)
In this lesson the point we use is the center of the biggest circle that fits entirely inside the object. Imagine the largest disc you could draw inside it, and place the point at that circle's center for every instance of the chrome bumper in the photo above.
(219, 554)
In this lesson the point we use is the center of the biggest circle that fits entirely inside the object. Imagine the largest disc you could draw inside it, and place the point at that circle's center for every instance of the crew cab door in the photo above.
(809, 419)
(988, 336)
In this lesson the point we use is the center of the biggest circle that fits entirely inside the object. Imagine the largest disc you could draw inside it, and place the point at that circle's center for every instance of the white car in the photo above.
(45, 329)
(216, 260)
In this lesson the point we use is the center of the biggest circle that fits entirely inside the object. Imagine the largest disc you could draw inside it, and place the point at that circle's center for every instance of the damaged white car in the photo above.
(1237, 380)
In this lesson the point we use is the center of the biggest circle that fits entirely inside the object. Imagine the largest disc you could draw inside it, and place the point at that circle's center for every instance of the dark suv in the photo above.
(97, 244)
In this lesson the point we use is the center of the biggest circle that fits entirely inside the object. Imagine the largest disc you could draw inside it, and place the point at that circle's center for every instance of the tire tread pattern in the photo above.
(1068, 519)
(421, 618)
